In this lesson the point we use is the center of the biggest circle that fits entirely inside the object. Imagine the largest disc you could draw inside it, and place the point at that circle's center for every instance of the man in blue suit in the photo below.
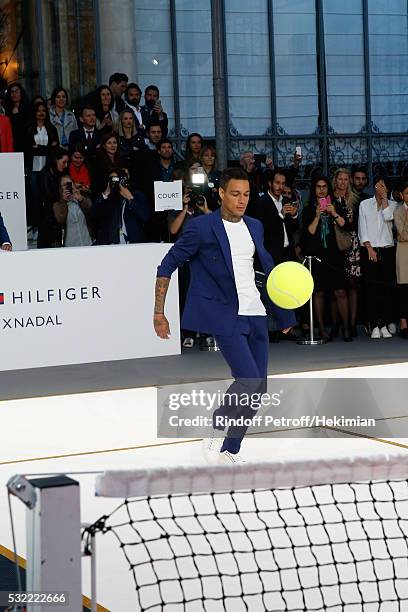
(5, 243)
(222, 299)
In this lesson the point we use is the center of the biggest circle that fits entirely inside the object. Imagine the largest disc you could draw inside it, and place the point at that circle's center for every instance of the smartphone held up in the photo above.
(324, 202)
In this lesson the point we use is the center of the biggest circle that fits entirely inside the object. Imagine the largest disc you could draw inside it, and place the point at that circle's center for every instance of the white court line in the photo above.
(91, 422)
(38, 427)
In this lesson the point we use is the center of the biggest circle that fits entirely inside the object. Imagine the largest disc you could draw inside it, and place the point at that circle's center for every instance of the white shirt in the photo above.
(136, 111)
(150, 145)
(88, 131)
(279, 206)
(40, 138)
(375, 225)
(242, 252)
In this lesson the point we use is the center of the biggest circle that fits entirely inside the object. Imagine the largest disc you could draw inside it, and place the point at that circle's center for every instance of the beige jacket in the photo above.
(401, 223)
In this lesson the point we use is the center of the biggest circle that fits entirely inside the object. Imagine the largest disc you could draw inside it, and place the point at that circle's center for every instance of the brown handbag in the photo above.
(343, 239)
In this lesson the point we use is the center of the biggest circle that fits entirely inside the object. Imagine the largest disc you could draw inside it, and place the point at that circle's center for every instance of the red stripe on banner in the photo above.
(1, 298)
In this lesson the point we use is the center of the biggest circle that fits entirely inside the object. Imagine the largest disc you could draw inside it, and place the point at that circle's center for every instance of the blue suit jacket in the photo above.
(4, 237)
(212, 301)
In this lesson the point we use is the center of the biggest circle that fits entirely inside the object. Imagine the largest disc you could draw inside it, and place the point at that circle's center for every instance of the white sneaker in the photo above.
(227, 457)
(385, 333)
(188, 342)
(392, 328)
(376, 334)
(211, 448)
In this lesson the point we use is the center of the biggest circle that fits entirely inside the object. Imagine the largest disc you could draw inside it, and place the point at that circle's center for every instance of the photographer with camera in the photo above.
(72, 213)
(193, 204)
(118, 213)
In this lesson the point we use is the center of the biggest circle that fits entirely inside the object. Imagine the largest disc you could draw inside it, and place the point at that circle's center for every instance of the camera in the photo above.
(123, 180)
(116, 181)
(197, 189)
(196, 199)
(69, 187)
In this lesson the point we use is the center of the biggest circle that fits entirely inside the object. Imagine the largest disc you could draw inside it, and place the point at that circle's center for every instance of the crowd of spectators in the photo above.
(90, 176)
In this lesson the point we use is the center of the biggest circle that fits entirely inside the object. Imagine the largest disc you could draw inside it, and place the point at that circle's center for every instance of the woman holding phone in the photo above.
(320, 217)
(71, 212)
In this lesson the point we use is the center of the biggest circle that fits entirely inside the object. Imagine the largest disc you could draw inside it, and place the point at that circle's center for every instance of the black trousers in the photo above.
(379, 281)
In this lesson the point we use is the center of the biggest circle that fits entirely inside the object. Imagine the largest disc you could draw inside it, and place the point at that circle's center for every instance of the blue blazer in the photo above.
(212, 300)
(4, 237)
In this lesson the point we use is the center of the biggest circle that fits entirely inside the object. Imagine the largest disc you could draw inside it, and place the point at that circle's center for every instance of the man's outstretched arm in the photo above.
(161, 324)
(186, 246)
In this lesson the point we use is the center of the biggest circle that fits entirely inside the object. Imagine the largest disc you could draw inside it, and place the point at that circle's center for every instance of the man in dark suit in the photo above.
(223, 300)
(133, 95)
(152, 111)
(5, 242)
(279, 218)
(88, 135)
(117, 84)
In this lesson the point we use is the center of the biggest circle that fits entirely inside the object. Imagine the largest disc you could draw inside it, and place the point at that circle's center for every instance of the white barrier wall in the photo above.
(13, 199)
(82, 305)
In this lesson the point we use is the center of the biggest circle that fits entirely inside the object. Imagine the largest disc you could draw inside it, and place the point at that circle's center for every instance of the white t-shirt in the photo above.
(242, 252)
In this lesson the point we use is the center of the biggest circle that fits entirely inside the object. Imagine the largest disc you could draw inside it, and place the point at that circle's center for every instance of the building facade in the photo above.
(327, 75)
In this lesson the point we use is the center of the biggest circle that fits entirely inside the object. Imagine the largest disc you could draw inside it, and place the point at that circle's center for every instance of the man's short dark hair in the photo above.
(87, 107)
(133, 86)
(153, 124)
(164, 141)
(269, 175)
(356, 169)
(118, 77)
(232, 174)
(152, 87)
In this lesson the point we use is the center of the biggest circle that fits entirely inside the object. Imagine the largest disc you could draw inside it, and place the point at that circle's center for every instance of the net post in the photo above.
(311, 341)
(53, 538)
(90, 551)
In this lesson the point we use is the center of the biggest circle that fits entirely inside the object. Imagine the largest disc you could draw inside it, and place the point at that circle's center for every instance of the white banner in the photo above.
(82, 305)
(168, 196)
(13, 199)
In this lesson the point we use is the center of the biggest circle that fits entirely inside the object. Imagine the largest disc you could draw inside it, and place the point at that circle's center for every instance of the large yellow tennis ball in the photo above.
(290, 285)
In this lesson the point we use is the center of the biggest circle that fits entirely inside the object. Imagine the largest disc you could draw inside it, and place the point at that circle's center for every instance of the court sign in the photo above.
(168, 196)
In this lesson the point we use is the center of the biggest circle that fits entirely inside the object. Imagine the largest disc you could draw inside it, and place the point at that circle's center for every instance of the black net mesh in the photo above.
(330, 547)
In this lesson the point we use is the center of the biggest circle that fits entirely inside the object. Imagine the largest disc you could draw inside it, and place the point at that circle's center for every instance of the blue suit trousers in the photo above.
(246, 352)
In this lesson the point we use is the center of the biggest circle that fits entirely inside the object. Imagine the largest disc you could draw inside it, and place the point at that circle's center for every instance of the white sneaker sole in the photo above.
(230, 458)
(211, 448)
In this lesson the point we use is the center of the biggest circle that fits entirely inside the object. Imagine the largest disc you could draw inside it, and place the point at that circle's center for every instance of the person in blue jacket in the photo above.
(223, 248)
(5, 242)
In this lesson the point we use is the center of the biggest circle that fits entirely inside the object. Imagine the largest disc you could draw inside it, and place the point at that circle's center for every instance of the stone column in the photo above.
(117, 38)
